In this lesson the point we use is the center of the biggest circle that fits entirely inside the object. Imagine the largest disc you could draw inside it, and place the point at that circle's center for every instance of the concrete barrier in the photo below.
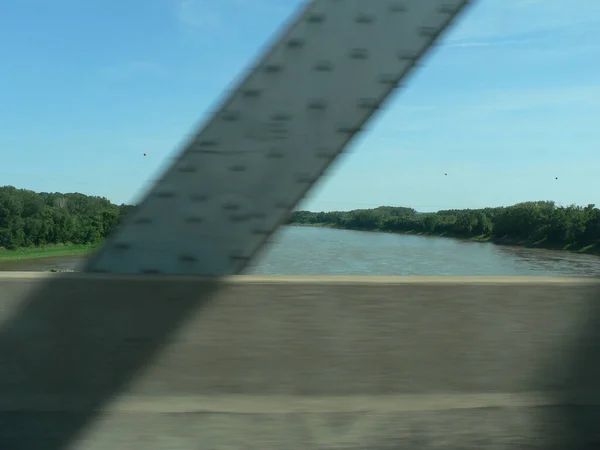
(99, 362)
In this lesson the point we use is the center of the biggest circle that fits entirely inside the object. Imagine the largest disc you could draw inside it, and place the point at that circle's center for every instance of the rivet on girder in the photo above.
(198, 197)
(295, 43)
(187, 169)
(364, 18)
(304, 179)
(239, 257)
(389, 79)
(237, 168)
(231, 206)
(165, 194)
(348, 130)
(143, 220)
(207, 143)
(231, 116)
(273, 68)
(428, 31)
(281, 117)
(359, 53)
(317, 104)
(251, 92)
(407, 56)
(239, 217)
(367, 103)
(398, 7)
(194, 219)
(325, 153)
(447, 9)
(204, 146)
(324, 66)
(275, 154)
(316, 18)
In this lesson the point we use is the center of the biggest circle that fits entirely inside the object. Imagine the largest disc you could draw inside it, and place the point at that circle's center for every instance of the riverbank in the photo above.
(589, 249)
(46, 251)
(56, 250)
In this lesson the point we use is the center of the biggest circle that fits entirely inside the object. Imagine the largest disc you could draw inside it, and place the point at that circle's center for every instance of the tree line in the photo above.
(29, 219)
(540, 223)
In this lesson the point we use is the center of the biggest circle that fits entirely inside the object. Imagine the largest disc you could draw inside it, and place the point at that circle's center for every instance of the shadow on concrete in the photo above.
(574, 377)
(70, 344)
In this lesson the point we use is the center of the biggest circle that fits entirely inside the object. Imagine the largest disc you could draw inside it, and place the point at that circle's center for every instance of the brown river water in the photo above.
(324, 251)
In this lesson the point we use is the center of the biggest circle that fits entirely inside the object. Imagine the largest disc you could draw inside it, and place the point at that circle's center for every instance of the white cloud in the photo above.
(509, 22)
(501, 100)
(489, 43)
(212, 15)
(198, 14)
(493, 118)
(528, 99)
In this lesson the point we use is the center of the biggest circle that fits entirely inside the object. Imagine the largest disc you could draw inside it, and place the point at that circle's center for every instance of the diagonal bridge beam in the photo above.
(274, 135)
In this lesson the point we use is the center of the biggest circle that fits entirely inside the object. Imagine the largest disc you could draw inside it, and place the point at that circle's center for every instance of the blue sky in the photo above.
(508, 102)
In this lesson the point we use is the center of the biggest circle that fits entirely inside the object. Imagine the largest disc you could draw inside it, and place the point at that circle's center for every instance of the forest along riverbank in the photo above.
(43, 225)
(326, 251)
(530, 224)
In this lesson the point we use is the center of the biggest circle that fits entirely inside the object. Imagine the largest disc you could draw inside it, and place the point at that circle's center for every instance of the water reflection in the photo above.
(552, 261)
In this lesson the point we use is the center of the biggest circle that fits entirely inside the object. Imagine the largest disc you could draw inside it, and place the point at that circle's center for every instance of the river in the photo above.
(324, 251)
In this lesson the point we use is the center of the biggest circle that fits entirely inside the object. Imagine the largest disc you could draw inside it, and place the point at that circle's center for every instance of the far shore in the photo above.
(589, 250)
(59, 250)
